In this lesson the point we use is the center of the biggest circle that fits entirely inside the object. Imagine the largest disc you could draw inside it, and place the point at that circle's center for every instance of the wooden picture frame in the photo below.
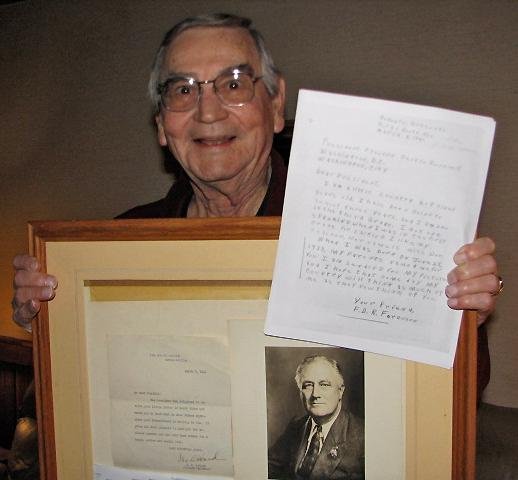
(439, 408)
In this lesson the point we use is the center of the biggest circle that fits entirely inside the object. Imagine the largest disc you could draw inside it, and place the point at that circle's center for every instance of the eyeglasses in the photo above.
(234, 89)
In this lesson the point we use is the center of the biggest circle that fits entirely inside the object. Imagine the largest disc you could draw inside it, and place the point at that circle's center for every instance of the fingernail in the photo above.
(451, 290)
(452, 302)
(48, 293)
(460, 257)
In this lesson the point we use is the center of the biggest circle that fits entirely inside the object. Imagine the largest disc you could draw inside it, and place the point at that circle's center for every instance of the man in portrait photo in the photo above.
(327, 441)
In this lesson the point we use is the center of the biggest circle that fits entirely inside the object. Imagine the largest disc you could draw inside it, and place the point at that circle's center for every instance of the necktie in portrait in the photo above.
(312, 454)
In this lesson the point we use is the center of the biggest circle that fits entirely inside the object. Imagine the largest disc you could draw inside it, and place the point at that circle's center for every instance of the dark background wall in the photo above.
(77, 140)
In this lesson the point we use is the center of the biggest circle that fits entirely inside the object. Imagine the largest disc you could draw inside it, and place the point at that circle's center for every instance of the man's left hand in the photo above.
(474, 283)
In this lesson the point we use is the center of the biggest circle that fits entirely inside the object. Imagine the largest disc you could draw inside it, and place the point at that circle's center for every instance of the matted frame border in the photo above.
(266, 228)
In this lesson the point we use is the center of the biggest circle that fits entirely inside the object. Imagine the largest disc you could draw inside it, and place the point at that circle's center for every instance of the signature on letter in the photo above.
(199, 458)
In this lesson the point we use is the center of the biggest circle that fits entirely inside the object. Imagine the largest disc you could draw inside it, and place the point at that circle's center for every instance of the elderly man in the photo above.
(219, 99)
(327, 442)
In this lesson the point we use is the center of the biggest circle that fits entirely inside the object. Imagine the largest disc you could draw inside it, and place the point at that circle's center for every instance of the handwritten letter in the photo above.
(380, 195)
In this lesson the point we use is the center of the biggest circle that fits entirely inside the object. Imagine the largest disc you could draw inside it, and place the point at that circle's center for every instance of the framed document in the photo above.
(151, 360)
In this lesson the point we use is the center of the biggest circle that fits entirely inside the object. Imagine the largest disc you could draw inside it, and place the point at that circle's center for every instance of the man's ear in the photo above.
(278, 104)
(342, 390)
(162, 140)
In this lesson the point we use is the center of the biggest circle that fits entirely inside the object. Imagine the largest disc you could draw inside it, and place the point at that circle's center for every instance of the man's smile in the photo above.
(214, 141)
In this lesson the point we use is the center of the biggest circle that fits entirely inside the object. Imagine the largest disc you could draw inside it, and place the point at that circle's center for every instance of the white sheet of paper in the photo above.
(170, 404)
(379, 197)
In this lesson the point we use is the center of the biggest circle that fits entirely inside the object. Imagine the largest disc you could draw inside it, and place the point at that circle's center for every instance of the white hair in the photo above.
(269, 72)
(312, 358)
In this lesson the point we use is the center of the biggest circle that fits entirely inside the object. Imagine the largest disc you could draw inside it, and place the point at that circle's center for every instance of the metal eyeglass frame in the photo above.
(191, 81)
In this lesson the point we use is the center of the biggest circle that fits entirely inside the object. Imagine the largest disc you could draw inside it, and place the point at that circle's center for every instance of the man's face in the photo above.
(321, 390)
(215, 143)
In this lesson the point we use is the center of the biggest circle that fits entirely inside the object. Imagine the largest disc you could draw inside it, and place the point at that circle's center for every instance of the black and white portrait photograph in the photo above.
(315, 413)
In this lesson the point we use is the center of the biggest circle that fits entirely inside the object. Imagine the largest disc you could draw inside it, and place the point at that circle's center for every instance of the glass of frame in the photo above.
(201, 286)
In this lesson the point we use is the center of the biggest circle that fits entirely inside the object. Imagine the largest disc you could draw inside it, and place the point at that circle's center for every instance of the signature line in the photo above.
(364, 319)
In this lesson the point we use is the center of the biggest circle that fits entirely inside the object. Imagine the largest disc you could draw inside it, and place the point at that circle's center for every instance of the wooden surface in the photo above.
(15, 376)
(465, 400)
(16, 351)
(157, 229)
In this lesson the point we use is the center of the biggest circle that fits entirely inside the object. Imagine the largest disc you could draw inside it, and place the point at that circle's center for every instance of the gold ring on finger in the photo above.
(500, 286)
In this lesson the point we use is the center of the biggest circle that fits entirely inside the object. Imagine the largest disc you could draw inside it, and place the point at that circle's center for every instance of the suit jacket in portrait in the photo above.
(342, 456)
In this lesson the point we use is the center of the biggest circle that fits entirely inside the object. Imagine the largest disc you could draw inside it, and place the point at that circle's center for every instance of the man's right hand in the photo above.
(31, 287)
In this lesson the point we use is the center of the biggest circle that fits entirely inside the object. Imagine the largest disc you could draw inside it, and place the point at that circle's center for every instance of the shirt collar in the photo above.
(325, 426)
